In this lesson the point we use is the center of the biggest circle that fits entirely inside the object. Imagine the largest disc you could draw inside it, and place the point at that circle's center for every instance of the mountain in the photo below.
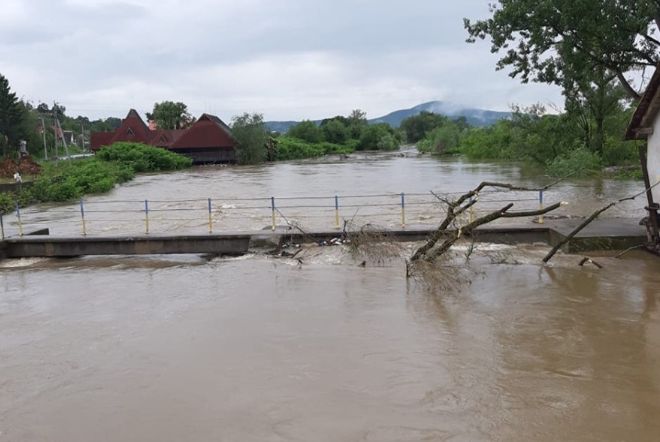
(476, 117)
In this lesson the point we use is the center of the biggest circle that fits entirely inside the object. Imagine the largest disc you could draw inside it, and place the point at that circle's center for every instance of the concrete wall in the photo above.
(653, 154)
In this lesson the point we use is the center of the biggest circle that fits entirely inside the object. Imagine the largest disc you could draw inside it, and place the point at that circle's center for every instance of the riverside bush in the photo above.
(577, 163)
(116, 164)
(143, 158)
(290, 148)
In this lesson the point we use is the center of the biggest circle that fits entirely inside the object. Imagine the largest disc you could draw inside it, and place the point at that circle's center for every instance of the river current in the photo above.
(260, 348)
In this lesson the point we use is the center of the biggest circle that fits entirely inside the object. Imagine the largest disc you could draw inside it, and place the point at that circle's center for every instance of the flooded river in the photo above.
(270, 349)
(368, 187)
(265, 349)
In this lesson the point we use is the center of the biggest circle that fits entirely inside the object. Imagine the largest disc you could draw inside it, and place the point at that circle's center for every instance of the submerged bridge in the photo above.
(226, 226)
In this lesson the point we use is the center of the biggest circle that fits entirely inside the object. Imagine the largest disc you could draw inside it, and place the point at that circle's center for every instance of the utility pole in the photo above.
(58, 130)
(43, 134)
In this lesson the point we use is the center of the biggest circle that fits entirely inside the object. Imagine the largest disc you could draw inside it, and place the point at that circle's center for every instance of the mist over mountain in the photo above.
(474, 116)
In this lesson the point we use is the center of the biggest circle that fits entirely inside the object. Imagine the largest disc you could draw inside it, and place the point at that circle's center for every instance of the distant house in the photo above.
(645, 125)
(208, 140)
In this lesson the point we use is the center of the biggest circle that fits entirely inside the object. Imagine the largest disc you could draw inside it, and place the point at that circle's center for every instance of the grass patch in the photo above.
(69, 180)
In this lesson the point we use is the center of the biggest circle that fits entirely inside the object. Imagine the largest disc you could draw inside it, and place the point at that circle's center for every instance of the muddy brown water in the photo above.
(178, 201)
(263, 349)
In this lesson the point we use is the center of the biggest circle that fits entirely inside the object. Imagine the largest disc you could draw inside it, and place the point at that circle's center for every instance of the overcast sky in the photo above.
(288, 59)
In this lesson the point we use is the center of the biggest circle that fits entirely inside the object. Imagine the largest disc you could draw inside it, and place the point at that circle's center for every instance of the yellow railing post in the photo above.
(403, 209)
(336, 211)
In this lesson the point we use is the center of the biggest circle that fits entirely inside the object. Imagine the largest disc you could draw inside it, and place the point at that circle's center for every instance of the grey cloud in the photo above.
(287, 58)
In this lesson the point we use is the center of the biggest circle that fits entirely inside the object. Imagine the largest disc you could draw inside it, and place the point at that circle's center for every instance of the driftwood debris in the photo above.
(591, 218)
(429, 251)
(455, 208)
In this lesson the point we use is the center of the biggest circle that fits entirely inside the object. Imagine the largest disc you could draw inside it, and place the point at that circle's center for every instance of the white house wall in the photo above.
(653, 157)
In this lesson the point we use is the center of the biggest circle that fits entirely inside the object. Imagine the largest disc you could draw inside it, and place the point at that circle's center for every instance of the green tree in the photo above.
(336, 131)
(12, 114)
(306, 130)
(357, 123)
(170, 115)
(251, 135)
(416, 127)
(378, 136)
(554, 41)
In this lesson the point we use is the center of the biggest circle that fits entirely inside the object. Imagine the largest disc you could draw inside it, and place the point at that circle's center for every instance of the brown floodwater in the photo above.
(368, 188)
(265, 349)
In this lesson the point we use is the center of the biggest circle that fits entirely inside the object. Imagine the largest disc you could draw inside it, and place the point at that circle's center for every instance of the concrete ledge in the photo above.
(143, 245)
(607, 234)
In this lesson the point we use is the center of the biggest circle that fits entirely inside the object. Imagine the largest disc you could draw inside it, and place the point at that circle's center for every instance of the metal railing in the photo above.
(99, 216)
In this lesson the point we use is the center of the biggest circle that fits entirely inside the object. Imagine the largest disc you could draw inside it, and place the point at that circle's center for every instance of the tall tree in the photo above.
(250, 132)
(553, 41)
(11, 116)
(170, 115)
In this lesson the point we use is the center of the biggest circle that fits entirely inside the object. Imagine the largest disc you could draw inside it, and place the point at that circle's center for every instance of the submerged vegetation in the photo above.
(338, 135)
(560, 143)
(68, 180)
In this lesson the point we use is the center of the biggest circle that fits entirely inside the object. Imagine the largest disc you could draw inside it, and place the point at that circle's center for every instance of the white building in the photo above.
(645, 125)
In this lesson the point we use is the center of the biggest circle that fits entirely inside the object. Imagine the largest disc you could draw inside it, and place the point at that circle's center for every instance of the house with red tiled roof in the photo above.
(208, 140)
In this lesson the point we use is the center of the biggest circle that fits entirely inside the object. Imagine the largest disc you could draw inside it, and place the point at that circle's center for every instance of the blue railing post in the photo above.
(336, 211)
(20, 222)
(210, 216)
(272, 206)
(82, 217)
(541, 220)
(146, 217)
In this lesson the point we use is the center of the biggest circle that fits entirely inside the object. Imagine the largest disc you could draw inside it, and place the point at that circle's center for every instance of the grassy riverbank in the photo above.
(549, 141)
(69, 180)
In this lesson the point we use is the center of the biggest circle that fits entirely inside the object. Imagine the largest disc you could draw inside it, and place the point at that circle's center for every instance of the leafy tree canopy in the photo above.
(559, 41)
(11, 115)
(250, 132)
(306, 130)
(170, 115)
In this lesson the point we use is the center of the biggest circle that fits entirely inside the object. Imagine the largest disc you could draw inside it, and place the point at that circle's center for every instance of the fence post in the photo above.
(272, 206)
(82, 217)
(146, 217)
(210, 217)
(403, 209)
(541, 220)
(20, 222)
(2, 226)
(336, 211)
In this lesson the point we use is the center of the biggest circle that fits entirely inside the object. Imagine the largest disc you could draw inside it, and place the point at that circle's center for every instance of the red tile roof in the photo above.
(207, 132)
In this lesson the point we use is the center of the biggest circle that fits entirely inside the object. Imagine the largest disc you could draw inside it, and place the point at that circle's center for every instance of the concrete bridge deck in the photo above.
(602, 234)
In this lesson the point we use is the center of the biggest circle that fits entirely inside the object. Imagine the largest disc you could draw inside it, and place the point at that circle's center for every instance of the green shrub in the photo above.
(7, 202)
(143, 158)
(577, 163)
(378, 137)
(289, 148)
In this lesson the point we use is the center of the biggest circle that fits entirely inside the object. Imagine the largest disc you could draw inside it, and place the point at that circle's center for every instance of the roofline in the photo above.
(647, 109)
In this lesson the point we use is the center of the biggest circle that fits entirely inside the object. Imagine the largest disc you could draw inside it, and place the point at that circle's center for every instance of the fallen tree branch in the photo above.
(577, 230)
(630, 249)
(592, 217)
